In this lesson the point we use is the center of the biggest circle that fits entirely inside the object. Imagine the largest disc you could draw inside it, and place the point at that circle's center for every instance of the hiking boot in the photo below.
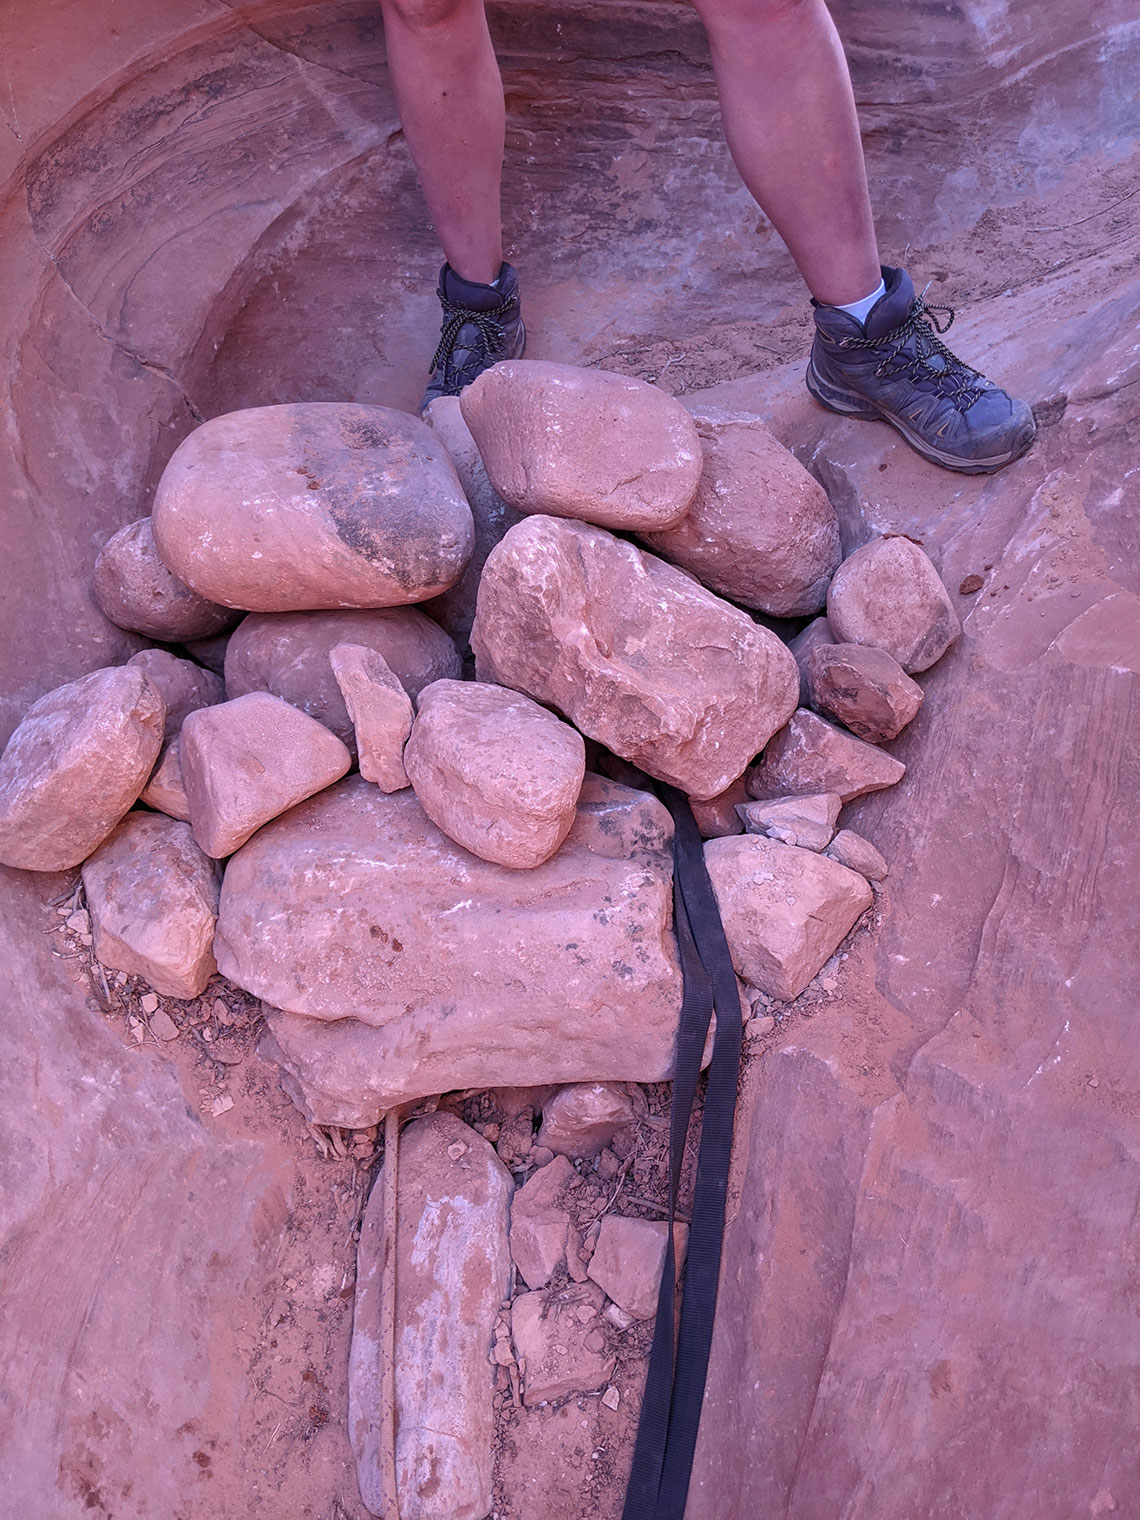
(894, 367)
(481, 325)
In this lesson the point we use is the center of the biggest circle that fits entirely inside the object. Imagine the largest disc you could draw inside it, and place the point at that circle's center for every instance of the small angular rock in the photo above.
(136, 591)
(542, 1235)
(889, 595)
(718, 816)
(184, 686)
(246, 761)
(634, 652)
(313, 505)
(785, 910)
(583, 443)
(761, 530)
(581, 1120)
(153, 900)
(166, 791)
(381, 713)
(817, 632)
(452, 1271)
(863, 688)
(495, 771)
(628, 1258)
(859, 854)
(290, 655)
(560, 1354)
(807, 821)
(75, 764)
(812, 755)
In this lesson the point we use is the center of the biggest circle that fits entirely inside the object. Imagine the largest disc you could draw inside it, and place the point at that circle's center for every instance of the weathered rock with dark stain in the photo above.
(863, 688)
(812, 755)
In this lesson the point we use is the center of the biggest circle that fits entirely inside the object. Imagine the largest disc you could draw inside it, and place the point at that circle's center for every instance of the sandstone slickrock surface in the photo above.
(859, 854)
(494, 771)
(289, 654)
(166, 790)
(812, 755)
(136, 591)
(313, 505)
(543, 1237)
(380, 709)
(153, 898)
(785, 910)
(562, 1351)
(633, 651)
(355, 908)
(244, 762)
(581, 1120)
(817, 632)
(583, 443)
(807, 820)
(760, 530)
(863, 688)
(452, 1269)
(628, 1258)
(75, 764)
(889, 595)
(184, 685)
(454, 609)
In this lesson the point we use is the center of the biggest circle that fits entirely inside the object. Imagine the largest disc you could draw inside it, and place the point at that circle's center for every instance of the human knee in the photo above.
(427, 15)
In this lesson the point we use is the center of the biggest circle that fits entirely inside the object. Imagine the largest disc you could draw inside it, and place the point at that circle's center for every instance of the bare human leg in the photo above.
(789, 116)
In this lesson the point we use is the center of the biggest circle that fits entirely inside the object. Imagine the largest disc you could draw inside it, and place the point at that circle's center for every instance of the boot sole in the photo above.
(851, 404)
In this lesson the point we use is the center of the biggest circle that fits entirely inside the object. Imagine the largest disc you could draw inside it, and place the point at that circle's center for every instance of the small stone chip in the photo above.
(502, 1355)
(162, 1026)
(149, 1003)
(222, 1012)
(971, 584)
(611, 1398)
(79, 922)
(221, 1106)
(457, 1150)
(138, 1031)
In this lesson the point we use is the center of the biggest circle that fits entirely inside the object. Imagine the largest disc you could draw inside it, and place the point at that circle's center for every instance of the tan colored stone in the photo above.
(495, 771)
(761, 530)
(184, 686)
(166, 791)
(381, 713)
(806, 820)
(634, 652)
(318, 504)
(153, 899)
(812, 755)
(74, 766)
(290, 655)
(452, 1271)
(863, 688)
(581, 1120)
(542, 1234)
(561, 1354)
(454, 609)
(889, 595)
(246, 761)
(583, 443)
(136, 591)
(859, 854)
(817, 632)
(785, 910)
(628, 1259)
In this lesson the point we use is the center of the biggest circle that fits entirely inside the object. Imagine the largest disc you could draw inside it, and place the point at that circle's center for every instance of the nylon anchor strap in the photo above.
(678, 1365)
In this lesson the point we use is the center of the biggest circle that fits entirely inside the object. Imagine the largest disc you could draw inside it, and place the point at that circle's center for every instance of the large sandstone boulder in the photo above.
(812, 755)
(452, 1270)
(75, 765)
(136, 591)
(184, 686)
(889, 594)
(633, 651)
(495, 771)
(314, 504)
(289, 654)
(584, 443)
(761, 529)
(244, 762)
(153, 897)
(785, 910)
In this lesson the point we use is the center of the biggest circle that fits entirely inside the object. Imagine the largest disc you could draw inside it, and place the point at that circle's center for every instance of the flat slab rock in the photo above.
(812, 755)
(443, 971)
(543, 1236)
(452, 1272)
(561, 1341)
(313, 505)
(635, 652)
(584, 443)
(807, 821)
(628, 1259)
(381, 712)
(75, 765)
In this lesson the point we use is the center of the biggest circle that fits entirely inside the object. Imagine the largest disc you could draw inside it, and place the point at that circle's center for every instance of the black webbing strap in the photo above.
(675, 1383)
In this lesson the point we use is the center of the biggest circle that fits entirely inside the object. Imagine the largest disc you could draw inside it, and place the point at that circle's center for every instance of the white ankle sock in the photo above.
(860, 309)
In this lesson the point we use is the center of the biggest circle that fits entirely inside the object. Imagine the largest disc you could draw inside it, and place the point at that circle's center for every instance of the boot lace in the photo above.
(488, 340)
(953, 380)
